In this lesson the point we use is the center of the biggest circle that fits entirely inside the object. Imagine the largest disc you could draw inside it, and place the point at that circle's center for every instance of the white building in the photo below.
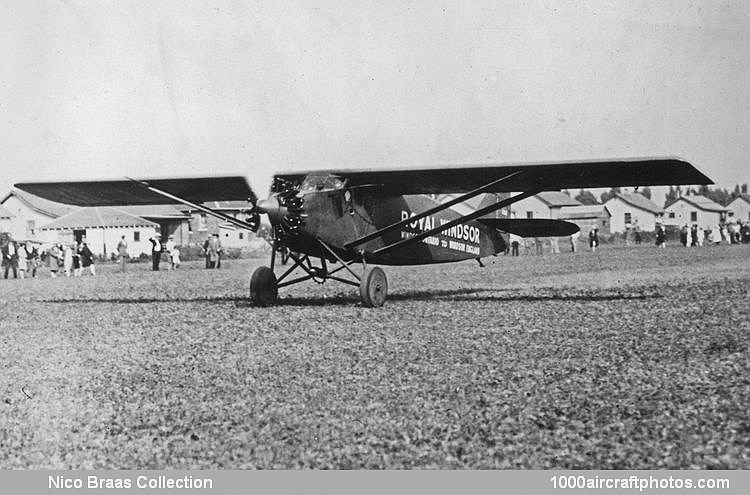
(633, 210)
(103, 227)
(587, 217)
(544, 205)
(230, 235)
(31, 212)
(739, 209)
(694, 210)
(6, 219)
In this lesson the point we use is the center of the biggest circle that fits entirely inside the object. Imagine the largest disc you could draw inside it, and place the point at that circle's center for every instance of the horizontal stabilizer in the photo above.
(532, 227)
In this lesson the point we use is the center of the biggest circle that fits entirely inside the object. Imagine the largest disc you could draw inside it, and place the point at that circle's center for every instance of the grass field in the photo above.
(629, 358)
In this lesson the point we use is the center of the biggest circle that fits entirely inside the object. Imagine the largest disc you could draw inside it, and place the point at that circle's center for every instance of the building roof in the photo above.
(583, 211)
(5, 212)
(639, 201)
(700, 202)
(555, 199)
(97, 217)
(155, 211)
(40, 205)
(744, 196)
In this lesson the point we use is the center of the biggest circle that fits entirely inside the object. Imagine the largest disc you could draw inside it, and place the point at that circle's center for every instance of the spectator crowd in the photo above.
(23, 259)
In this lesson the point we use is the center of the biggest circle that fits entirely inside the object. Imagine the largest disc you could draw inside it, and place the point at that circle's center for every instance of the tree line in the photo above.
(720, 196)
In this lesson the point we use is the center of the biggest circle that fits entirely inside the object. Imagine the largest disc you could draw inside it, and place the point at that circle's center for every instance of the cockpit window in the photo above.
(321, 183)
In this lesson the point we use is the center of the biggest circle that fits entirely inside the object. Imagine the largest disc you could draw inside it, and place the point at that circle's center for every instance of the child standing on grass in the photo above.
(175, 257)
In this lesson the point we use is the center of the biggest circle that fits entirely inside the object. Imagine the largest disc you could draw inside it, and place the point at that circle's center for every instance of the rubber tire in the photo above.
(263, 289)
(373, 288)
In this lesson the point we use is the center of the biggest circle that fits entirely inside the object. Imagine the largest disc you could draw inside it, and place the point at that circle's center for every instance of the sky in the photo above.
(97, 89)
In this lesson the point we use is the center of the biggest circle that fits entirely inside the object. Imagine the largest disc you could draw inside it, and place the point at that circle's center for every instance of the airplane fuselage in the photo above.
(340, 216)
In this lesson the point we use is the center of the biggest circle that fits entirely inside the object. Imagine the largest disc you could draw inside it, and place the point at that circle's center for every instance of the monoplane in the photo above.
(332, 220)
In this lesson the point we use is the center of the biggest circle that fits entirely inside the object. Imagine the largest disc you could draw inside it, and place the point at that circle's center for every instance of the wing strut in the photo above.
(431, 211)
(466, 218)
(204, 209)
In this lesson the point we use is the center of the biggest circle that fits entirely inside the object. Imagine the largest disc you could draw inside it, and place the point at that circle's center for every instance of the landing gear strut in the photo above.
(264, 286)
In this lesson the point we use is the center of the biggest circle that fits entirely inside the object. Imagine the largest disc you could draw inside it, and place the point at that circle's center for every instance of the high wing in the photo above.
(544, 176)
(130, 192)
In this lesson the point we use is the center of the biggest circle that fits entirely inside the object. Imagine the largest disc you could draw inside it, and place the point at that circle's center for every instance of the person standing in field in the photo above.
(214, 251)
(68, 259)
(155, 252)
(594, 239)
(554, 245)
(175, 257)
(77, 259)
(10, 258)
(574, 241)
(661, 236)
(170, 247)
(54, 259)
(87, 257)
(122, 253)
(514, 242)
(206, 254)
(32, 259)
(22, 259)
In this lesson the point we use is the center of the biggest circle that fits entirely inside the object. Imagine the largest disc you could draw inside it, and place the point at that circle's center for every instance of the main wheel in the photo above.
(373, 288)
(263, 289)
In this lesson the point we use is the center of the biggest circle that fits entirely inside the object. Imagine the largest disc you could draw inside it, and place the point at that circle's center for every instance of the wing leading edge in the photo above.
(548, 176)
(128, 192)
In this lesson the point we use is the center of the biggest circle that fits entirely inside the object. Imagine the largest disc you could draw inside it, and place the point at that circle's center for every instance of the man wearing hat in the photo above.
(155, 252)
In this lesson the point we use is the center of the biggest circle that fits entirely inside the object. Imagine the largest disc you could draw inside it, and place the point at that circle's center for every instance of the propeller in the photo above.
(285, 209)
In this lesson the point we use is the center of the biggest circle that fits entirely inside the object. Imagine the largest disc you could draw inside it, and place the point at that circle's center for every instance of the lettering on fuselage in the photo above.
(461, 237)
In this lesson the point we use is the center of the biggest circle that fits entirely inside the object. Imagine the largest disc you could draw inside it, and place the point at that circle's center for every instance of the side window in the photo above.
(628, 218)
(529, 214)
(136, 236)
(693, 216)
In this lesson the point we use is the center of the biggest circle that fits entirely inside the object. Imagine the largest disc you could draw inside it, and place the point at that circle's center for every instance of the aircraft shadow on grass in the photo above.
(461, 294)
